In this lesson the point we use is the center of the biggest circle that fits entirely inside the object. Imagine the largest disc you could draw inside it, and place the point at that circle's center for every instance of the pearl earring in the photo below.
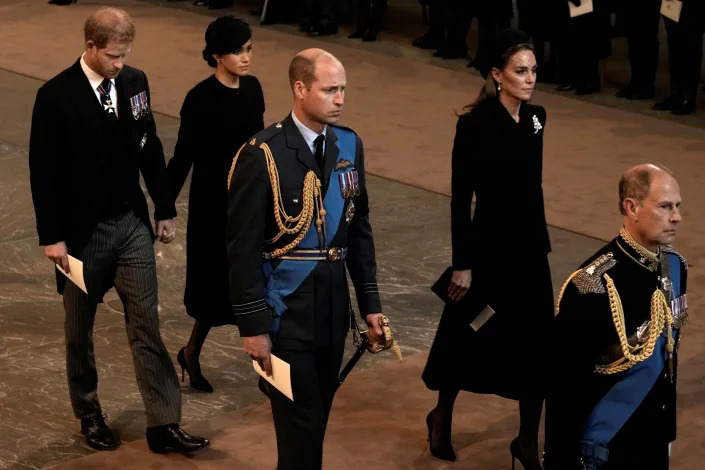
(499, 87)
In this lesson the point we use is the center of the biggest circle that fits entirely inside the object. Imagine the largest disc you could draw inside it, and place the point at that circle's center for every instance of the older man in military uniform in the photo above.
(297, 215)
(612, 401)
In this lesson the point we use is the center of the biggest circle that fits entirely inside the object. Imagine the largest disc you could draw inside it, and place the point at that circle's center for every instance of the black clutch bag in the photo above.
(473, 306)
(440, 287)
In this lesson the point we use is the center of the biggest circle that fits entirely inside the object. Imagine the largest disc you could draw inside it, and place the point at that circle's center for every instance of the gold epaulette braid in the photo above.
(660, 318)
(565, 284)
(288, 225)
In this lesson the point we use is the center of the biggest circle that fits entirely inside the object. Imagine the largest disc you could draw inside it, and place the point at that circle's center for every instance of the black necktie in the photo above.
(108, 106)
(318, 153)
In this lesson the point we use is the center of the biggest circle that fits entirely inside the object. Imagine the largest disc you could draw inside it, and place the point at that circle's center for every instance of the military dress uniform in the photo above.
(606, 409)
(276, 182)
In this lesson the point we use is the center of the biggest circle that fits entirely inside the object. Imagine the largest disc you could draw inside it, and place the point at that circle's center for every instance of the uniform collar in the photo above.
(640, 255)
(308, 135)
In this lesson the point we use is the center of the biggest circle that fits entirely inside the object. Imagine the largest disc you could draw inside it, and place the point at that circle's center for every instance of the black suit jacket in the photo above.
(67, 162)
(318, 310)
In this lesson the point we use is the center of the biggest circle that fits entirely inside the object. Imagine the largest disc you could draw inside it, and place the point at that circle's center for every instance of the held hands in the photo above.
(375, 331)
(259, 348)
(165, 230)
(459, 284)
(59, 254)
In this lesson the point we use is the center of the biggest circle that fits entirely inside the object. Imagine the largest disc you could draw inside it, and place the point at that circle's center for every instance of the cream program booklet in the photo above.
(671, 9)
(281, 375)
(75, 273)
(584, 8)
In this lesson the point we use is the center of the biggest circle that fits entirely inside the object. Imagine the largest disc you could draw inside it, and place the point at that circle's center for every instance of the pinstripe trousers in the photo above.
(120, 253)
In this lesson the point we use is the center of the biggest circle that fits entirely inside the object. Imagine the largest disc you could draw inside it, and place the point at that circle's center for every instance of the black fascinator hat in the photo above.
(499, 47)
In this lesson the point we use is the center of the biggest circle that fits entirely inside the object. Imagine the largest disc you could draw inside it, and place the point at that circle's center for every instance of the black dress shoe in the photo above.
(324, 29)
(668, 104)
(98, 435)
(371, 35)
(565, 87)
(61, 2)
(424, 42)
(631, 92)
(358, 33)
(171, 438)
(684, 107)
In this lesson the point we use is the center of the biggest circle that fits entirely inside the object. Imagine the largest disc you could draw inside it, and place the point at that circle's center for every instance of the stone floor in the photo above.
(391, 103)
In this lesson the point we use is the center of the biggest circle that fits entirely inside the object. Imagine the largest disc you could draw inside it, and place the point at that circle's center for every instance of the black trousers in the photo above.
(641, 18)
(321, 12)
(120, 251)
(685, 55)
(370, 14)
(300, 425)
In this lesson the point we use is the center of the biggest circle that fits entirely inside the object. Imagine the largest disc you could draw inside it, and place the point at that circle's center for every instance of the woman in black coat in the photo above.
(218, 116)
(499, 254)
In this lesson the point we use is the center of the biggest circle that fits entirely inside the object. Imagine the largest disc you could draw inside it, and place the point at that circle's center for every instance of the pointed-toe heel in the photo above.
(444, 450)
(197, 382)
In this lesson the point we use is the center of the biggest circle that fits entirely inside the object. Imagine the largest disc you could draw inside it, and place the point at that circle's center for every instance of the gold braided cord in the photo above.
(643, 252)
(565, 285)
(232, 166)
(660, 318)
(287, 224)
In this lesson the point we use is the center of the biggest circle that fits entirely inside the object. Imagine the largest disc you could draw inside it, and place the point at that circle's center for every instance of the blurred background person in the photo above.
(685, 55)
(218, 116)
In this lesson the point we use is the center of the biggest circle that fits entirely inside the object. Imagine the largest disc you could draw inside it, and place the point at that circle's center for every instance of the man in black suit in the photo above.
(288, 283)
(642, 22)
(92, 134)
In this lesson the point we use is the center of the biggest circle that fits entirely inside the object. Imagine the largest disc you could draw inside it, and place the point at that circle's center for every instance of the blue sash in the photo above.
(622, 400)
(289, 274)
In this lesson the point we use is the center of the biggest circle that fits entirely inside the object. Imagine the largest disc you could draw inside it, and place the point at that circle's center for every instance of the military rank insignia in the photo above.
(349, 184)
(139, 105)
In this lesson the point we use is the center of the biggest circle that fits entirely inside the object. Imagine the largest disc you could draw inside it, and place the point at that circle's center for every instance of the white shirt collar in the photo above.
(308, 135)
(93, 77)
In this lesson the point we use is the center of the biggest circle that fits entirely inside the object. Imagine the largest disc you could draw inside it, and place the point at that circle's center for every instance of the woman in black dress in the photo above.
(499, 254)
(218, 116)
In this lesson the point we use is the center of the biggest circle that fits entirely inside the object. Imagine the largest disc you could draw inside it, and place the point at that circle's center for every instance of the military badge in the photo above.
(343, 164)
(139, 105)
(350, 212)
(349, 184)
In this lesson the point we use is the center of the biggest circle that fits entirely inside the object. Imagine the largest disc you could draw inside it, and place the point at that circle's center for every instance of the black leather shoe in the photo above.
(636, 93)
(324, 29)
(684, 107)
(171, 438)
(98, 435)
(61, 2)
(424, 42)
(565, 87)
(668, 104)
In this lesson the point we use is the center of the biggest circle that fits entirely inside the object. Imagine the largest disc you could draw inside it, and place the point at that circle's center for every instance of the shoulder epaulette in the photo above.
(266, 134)
(670, 249)
(589, 279)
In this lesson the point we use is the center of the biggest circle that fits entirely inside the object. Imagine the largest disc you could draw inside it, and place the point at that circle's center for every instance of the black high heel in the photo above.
(445, 450)
(515, 450)
(199, 383)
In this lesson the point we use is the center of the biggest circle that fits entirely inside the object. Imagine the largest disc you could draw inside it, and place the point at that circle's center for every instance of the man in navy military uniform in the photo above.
(612, 401)
(297, 209)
